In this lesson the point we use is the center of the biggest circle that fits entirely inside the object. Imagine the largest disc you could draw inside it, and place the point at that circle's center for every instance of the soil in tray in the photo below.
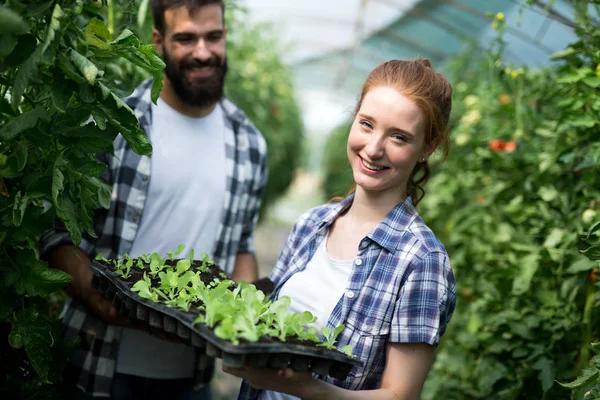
(214, 272)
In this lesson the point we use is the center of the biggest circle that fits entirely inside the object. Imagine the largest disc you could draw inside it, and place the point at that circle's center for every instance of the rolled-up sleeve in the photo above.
(426, 302)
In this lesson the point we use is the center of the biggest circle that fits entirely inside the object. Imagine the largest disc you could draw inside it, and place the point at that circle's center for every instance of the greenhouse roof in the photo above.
(335, 43)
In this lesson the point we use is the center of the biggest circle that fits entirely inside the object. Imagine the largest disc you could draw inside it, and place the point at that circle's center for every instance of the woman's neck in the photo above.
(372, 208)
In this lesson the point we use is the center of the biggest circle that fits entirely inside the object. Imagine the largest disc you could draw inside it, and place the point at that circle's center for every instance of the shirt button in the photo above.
(135, 218)
(349, 294)
(145, 178)
(358, 261)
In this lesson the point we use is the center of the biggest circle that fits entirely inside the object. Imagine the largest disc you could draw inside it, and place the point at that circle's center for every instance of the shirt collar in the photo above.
(389, 231)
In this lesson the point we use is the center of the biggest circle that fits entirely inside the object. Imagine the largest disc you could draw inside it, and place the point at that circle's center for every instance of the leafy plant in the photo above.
(58, 107)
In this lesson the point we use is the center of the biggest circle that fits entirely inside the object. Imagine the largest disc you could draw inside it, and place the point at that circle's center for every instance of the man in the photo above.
(201, 187)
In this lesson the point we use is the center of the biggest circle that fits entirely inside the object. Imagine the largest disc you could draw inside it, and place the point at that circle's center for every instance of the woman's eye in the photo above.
(400, 138)
(366, 124)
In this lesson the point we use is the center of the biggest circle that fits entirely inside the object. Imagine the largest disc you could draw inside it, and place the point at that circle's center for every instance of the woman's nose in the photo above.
(374, 148)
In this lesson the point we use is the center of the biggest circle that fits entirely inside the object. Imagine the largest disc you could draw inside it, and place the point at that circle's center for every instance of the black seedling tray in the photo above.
(177, 324)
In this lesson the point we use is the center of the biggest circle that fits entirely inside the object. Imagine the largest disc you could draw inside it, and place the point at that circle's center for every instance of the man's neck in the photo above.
(169, 96)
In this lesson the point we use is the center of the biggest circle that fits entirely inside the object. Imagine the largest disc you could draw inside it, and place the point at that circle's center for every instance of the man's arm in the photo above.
(245, 268)
(76, 263)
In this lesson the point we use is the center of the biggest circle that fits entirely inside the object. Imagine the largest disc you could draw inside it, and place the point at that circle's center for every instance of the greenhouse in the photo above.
(260, 199)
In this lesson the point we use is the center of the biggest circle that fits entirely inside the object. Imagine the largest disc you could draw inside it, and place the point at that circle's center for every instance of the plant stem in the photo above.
(584, 354)
(111, 17)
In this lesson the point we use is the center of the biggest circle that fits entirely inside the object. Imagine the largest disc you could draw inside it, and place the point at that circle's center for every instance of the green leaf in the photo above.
(104, 195)
(595, 227)
(124, 120)
(67, 212)
(27, 72)
(584, 121)
(21, 154)
(546, 375)
(33, 277)
(16, 339)
(593, 252)
(152, 56)
(52, 39)
(157, 84)
(593, 81)
(89, 71)
(7, 44)
(127, 38)
(58, 182)
(527, 268)
(97, 34)
(11, 22)
(37, 346)
(23, 122)
(554, 238)
(548, 193)
(588, 375)
(583, 264)
(61, 91)
(26, 45)
(37, 9)
(65, 64)
(563, 53)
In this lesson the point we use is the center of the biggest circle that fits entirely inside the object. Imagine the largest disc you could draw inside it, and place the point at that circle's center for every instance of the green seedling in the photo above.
(331, 336)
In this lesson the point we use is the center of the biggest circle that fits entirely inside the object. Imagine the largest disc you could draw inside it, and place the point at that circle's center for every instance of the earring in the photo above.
(423, 159)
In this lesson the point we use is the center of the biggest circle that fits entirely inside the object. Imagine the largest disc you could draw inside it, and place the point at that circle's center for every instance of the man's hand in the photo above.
(76, 263)
(245, 268)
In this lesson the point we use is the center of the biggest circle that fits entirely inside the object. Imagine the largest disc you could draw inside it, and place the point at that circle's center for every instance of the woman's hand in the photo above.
(283, 380)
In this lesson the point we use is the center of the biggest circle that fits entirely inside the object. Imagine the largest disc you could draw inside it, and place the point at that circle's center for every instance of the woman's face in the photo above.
(386, 141)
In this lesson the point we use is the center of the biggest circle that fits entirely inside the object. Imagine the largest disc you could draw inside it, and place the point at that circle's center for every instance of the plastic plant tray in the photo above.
(176, 324)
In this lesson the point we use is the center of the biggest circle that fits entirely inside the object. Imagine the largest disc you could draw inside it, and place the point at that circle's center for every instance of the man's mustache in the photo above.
(211, 62)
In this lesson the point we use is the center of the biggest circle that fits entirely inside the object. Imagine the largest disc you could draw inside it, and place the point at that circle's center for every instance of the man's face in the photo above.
(193, 49)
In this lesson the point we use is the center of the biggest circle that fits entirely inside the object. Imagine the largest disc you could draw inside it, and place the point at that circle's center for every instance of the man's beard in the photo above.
(200, 92)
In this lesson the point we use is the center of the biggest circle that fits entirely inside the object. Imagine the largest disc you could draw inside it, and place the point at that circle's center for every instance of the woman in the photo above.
(369, 261)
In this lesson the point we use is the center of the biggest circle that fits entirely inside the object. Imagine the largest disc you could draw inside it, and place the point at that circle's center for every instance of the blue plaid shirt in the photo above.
(92, 366)
(401, 289)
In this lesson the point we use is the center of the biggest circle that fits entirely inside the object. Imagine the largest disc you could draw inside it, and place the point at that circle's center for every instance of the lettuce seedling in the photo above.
(206, 259)
(123, 270)
(172, 255)
(277, 316)
(296, 325)
(182, 266)
(156, 264)
(100, 257)
(144, 289)
(347, 350)
(331, 336)
(218, 303)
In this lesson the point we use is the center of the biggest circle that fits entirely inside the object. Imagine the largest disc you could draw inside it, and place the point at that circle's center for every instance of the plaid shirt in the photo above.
(401, 289)
(92, 366)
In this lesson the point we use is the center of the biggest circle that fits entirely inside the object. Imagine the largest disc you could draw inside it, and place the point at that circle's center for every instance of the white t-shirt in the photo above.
(318, 289)
(183, 206)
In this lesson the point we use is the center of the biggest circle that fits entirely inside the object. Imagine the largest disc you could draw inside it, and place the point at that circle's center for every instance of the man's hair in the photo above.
(160, 6)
